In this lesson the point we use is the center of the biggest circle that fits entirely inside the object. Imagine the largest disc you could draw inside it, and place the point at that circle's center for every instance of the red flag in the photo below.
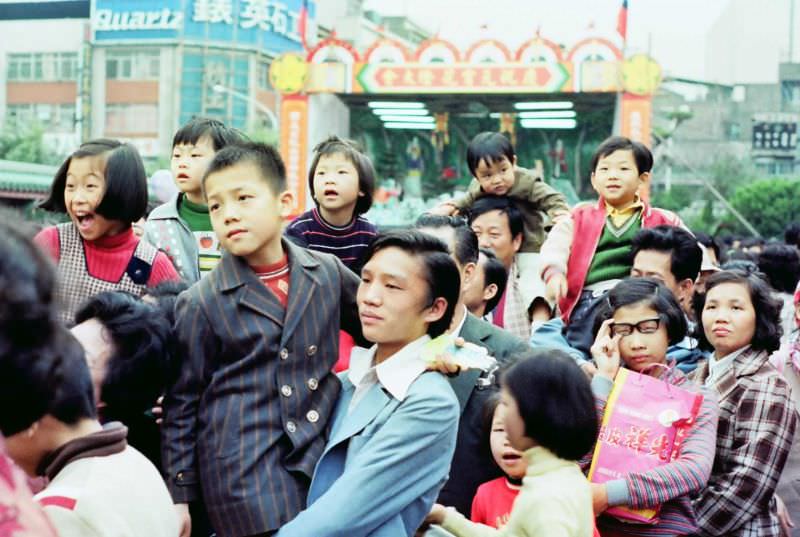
(622, 21)
(302, 22)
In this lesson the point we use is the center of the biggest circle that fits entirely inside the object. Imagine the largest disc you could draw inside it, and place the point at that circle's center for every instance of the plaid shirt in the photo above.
(756, 426)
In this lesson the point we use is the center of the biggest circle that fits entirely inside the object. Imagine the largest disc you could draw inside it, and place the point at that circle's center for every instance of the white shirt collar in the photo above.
(460, 327)
(396, 373)
(717, 366)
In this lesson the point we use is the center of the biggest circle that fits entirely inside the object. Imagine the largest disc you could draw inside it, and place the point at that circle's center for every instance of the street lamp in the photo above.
(273, 119)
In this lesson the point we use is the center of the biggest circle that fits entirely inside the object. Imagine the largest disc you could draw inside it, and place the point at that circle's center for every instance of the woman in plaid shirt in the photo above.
(741, 323)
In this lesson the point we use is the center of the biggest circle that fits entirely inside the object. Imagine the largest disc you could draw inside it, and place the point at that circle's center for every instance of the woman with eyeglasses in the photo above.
(741, 323)
(639, 320)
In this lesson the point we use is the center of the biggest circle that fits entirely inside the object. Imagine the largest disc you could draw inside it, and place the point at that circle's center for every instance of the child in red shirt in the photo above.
(102, 187)
(494, 499)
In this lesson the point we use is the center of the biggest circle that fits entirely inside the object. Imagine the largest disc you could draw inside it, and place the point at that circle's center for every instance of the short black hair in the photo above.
(641, 154)
(489, 147)
(488, 409)
(140, 335)
(555, 401)
(767, 336)
(51, 378)
(653, 294)
(685, 254)
(165, 294)
(465, 240)
(353, 152)
(743, 261)
(27, 287)
(780, 263)
(440, 271)
(125, 196)
(791, 234)
(709, 242)
(494, 272)
(486, 204)
(198, 127)
(263, 156)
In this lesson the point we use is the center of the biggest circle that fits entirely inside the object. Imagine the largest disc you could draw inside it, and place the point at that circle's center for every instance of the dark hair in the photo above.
(264, 157)
(780, 263)
(51, 378)
(791, 235)
(465, 242)
(743, 261)
(493, 273)
(140, 337)
(489, 147)
(767, 336)
(641, 154)
(709, 242)
(487, 417)
(686, 257)
(353, 152)
(198, 127)
(125, 196)
(440, 270)
(651, 293)
(486, 204)
(555, 401)
(27, 287)
(749, 242)
(165, 294)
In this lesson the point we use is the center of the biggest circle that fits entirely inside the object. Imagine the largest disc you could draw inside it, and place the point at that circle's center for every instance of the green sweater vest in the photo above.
(612, 257)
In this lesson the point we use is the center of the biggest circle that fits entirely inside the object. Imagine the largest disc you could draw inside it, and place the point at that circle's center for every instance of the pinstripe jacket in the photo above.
(246, 419)
(756, 426)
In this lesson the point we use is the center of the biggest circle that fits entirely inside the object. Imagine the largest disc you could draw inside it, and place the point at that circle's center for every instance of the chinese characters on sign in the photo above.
(266, 15)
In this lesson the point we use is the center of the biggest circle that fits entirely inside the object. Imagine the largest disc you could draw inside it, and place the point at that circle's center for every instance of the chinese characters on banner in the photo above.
(266, 15)
(294, 144)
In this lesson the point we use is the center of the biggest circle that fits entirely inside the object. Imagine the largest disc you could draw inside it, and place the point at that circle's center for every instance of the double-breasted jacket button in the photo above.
(286, 390)
(311, 350)
(312, 416)
(284, 354)
(313, 384)
(291, 426)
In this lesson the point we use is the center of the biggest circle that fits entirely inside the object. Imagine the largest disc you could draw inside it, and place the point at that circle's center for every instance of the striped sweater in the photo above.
(348, 243)
(671, 485)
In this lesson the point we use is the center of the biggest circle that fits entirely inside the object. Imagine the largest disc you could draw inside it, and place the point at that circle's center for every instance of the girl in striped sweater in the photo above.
(640, 319)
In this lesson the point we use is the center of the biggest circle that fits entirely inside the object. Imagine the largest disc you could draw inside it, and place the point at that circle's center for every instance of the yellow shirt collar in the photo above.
(620, 216)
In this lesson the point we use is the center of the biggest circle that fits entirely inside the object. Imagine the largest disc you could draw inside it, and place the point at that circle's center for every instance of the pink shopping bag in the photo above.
(644, 423)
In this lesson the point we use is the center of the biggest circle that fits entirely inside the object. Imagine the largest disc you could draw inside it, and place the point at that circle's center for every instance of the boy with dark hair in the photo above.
(493, 164)
(394, 426)
(586, 255)
(98, 485)
(181, 227)
(257, 339)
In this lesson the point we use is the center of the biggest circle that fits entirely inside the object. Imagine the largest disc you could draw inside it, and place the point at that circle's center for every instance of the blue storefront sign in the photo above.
(268, 25)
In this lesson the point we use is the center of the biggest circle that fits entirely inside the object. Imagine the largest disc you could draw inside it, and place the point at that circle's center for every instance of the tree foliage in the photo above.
(768, 204)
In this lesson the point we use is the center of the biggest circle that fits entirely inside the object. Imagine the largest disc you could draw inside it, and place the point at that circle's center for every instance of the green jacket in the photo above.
(535, 200)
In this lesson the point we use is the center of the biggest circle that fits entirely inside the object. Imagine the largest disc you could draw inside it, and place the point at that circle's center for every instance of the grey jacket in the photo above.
(167, 231)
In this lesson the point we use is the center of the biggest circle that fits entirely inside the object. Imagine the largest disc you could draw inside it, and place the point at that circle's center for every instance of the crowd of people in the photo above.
(232, 372)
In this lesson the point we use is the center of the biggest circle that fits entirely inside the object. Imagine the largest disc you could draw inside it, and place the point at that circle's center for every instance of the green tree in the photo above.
(768, 204)
(26, 145)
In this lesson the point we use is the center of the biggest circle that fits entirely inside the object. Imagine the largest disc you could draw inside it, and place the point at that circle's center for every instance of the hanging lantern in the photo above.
(508, 122)
(440, 136)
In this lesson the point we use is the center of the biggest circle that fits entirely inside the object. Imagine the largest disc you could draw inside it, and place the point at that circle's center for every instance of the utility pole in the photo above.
(791, 31)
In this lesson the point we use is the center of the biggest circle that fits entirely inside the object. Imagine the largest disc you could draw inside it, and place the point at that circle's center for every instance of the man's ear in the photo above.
(468, 272)
(686, 287)
(516, 242)
(489, 292)
(436, 310)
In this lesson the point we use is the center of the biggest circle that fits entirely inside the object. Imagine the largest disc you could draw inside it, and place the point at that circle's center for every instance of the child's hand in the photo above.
(556, 287)
(605, 351)
(444, 209)
(599, 498)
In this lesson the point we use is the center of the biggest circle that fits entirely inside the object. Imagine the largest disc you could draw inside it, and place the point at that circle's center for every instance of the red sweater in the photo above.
(108, 257)
(589, 220)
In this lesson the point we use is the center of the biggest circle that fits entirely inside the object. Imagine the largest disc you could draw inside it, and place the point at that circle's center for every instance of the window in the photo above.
(262, 75)
(54, 117)
(124, 119)
(132, 65)
(42, 66)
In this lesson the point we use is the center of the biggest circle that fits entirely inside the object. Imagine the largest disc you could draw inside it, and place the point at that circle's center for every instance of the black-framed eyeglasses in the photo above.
(646, 326)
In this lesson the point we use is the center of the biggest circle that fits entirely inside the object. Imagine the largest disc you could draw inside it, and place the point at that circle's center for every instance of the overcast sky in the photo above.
(674, 29)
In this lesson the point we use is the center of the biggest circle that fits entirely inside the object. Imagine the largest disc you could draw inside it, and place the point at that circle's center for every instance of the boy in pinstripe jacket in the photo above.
(245, 421)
